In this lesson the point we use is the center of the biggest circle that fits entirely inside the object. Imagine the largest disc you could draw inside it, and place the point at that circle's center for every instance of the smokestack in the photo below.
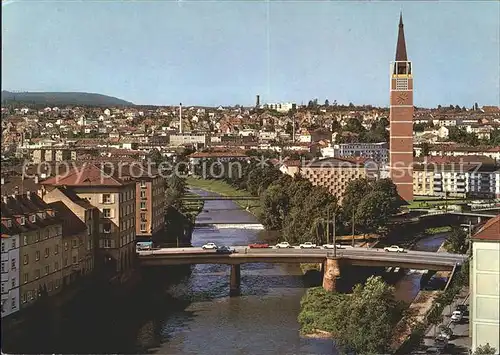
(257, 103)
(180, 118)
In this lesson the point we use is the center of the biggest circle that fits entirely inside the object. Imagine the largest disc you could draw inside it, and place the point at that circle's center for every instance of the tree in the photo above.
(457, 241)
(361, 322)
(275, 206)
(485, 350)
(327, 103)
(354, 125)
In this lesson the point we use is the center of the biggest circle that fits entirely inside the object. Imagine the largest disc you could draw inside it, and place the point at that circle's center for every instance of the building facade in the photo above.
(485, 286)
(375, 151)
(10, 269)
(401, 119)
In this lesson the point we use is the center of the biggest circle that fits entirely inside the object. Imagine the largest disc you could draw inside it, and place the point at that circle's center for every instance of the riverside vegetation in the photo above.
(299, 210)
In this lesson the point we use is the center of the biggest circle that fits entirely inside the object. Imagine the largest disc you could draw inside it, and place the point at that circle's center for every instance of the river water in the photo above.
(195, 315)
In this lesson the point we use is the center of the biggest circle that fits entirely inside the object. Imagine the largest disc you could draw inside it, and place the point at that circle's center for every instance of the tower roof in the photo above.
(401, 45)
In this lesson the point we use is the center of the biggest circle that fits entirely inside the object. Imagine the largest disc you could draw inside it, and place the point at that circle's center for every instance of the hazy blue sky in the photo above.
(226, 52)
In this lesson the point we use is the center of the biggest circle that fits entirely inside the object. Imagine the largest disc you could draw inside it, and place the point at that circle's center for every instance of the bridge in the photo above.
(219, 198)
(332, 264)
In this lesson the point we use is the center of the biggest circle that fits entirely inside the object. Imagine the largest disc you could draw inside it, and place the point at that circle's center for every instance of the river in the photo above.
(195, 315)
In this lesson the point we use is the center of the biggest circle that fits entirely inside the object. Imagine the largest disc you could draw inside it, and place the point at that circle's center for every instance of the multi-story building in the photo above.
(39, 230)
(280, 107)
(10, 268)
(335, 173)
(485, 286)
(113, 194)
(375, 151)
(197, 139)
(456, 177)
(80, 229)
(401, 119)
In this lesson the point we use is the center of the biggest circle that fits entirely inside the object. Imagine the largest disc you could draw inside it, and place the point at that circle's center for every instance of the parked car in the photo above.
(307, 245)
(212, 246)
(456, 316)
(394, 248)
(258, 245)
(283, 245)
(331, 246)
(225, 250)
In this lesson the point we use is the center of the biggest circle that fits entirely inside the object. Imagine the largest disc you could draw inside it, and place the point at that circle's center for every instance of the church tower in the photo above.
(401, 119)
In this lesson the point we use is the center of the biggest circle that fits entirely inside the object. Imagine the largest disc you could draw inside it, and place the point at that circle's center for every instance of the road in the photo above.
(460, 339)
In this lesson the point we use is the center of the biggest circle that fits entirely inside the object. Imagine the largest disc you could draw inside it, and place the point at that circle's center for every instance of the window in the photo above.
(73, 243)
(3, 247)
(9, 223)
(26, 259)
(50, 286)
(143, 184)
(143, 205)
(106, 227)
(46, 234)
(65, 262)
(143, 227)
(14, 244)
(106, 243)
(74, 260)
(37, 274)
(56, 266)
(47, 252)
(143, 216)
(13, 282)
(22, 221)
(106, 198)
(65, 245)
(14, 306)
(37, 255)
(26, 278)
(4, 266)
(13, 264)
(47, 269)
(56, 251)
(33, 218)
(26, 240)
(106, 212)
(37, 236)
(143, 194)
(3, 287)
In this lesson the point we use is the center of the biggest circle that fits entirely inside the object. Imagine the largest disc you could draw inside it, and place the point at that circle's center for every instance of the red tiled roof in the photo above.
(489, 231)
(87, 175)
(217, 154)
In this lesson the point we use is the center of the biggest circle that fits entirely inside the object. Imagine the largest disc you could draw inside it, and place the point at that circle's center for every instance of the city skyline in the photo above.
(224, 53)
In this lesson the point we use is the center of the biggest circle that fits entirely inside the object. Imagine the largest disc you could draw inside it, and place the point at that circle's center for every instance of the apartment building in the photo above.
(485, 285)
(457, 177)
(114, 194)
(197, 139)
(10, 269)
(28, 219)
(80, 230)
(375, 151)
(335, 173)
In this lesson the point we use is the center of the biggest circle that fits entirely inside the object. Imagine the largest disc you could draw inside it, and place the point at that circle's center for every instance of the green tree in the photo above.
(457, 241)
(274, 207)
(485, 350)
(327, 103)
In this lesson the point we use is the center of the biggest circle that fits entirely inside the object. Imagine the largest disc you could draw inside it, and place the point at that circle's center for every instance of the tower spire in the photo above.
(401, 45)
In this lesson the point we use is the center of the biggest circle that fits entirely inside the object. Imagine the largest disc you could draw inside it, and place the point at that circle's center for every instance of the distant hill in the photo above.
(62, 99)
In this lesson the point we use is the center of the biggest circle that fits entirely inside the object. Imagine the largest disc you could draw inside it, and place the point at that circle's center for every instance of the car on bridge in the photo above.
(307, 245)
(258, 245)
(332, 246)
(394, 249)
(209, 246)
(225, 250)
(283, 245)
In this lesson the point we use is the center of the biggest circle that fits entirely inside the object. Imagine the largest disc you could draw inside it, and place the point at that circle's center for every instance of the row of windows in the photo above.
(5, 243)
(74, 244)
(46, 233)
(31, 295)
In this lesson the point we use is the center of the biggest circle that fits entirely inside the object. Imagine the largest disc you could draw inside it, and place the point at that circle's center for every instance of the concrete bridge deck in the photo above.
(352, 256)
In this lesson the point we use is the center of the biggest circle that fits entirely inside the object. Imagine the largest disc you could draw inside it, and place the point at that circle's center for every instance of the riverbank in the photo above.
(224, 189)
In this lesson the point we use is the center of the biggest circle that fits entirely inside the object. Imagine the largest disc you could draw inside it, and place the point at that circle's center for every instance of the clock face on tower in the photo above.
(402, 98)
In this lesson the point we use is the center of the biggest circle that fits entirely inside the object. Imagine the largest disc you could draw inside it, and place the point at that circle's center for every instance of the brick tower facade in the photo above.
(401, 119)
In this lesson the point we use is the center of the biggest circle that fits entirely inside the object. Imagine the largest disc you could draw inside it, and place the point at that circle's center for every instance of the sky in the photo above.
(225, 52)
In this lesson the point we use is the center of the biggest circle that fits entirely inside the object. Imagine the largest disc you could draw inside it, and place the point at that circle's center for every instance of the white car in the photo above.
(331, 246)
(209, 246)
(394, 248)
(307, 245)
(283, 245)
(456, 316)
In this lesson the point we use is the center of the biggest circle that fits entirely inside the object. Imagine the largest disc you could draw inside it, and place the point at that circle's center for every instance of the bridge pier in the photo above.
(331, 273)
(235, 280)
